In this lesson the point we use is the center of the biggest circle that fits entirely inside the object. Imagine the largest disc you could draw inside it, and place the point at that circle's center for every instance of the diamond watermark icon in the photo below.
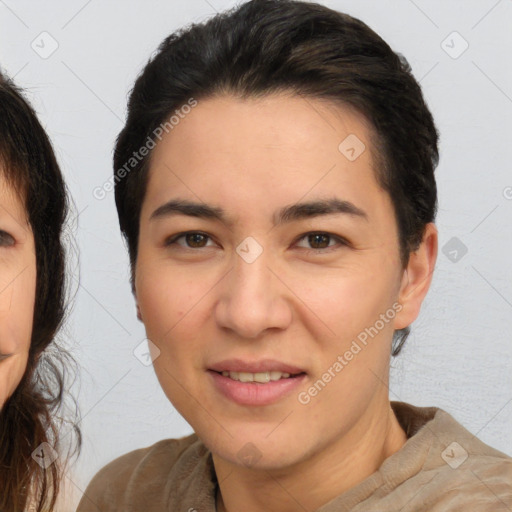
(45, 455)
(454, 45)
(454, 455)
(249, 455)
(352, 147)
(45, 45)
(249, 250)
(146, 352)
(454, 249)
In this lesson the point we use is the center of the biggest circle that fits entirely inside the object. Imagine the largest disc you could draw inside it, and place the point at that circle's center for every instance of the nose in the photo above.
(252, 298)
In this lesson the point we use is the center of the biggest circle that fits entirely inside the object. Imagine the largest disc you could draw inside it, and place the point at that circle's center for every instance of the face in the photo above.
(295, 258)
(17, 289)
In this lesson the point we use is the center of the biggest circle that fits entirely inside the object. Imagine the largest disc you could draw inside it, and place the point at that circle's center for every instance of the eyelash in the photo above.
(342, 242)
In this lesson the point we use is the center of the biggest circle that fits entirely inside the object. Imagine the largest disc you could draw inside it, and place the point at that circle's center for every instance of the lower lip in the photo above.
(254, 393)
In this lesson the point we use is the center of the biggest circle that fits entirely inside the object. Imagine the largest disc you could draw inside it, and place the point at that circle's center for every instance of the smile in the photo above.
(261, 377)
(256, 389)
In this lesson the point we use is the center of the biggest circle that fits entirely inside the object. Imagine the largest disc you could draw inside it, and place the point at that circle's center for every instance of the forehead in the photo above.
(12, 202)
(278, 123)
(253, 151)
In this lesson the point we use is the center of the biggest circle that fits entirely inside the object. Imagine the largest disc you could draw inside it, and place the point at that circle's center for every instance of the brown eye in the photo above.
(196, 239)
(193, 240)
(6, 240)
(321, 242)
(319, 239)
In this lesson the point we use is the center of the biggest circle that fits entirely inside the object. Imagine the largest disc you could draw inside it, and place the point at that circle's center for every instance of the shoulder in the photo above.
(113, 485)
(445, 467)
(481, 482)
(465, 472)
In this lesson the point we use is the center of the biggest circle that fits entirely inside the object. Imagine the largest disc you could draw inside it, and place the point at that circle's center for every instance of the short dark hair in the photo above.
(28, 163)
(269, 46)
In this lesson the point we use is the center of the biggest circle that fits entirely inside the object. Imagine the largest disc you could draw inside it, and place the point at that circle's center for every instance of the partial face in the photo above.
(257, 286)
(17, 289)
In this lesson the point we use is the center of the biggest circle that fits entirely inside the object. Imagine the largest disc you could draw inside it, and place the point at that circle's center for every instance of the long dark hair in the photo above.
(29, 416)
(266, 46)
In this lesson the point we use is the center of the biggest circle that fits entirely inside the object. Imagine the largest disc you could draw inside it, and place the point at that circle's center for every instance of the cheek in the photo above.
(169, 301)
(11, 373)
(17, 301)
(170, 305)
(16, 320)
(348, 299)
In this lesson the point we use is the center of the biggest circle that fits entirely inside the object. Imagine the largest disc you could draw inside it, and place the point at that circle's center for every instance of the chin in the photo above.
(254, 448)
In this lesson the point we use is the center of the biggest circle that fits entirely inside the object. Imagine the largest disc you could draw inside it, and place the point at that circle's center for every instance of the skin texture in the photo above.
(17, 289)
(301, 301)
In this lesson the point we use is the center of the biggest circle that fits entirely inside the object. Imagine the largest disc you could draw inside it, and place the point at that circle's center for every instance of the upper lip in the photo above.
(261, 366)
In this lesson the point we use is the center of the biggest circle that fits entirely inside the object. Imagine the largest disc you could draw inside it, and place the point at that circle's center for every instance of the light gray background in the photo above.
(459, 356)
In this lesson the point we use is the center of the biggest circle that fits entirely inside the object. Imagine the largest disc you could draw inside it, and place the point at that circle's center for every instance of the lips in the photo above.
(262, 377)
(256, 383)
(261, 366)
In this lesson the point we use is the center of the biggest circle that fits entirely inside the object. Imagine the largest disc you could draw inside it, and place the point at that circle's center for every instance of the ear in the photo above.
(134, 293)
(417, 277)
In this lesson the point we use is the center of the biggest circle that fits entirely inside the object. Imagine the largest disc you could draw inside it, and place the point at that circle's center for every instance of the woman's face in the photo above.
(17, 289)
(268, 287)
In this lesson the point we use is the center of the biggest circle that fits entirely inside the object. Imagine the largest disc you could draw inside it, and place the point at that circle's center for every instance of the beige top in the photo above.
(441, 468)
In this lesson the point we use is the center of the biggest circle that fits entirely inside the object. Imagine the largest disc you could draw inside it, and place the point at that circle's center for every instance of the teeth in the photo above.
(262, 378)
(278, 375)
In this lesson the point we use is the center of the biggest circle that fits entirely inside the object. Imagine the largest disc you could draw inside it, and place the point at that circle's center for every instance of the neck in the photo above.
(311, 483)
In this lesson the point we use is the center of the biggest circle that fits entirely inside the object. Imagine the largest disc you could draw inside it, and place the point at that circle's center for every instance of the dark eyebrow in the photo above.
(286, 214)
